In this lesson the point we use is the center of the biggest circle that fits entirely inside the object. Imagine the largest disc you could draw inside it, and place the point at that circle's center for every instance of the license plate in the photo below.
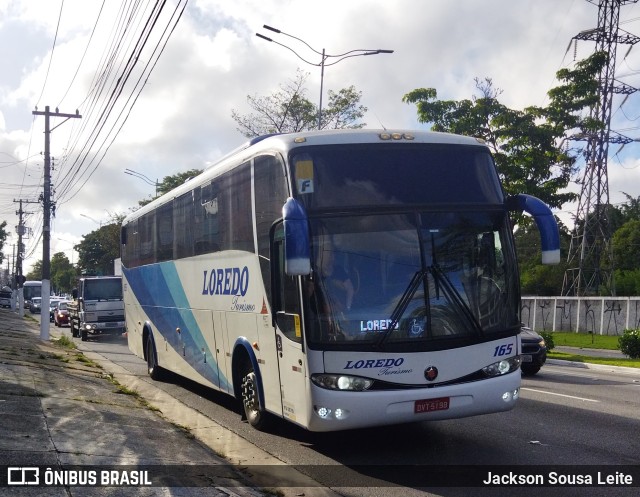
(430, 405)
(527, 358)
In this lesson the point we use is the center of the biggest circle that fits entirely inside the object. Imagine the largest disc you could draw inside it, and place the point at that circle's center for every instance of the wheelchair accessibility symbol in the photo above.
(417, 327)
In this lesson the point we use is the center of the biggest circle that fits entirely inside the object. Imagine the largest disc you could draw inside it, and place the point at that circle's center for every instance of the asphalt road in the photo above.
(565, 416)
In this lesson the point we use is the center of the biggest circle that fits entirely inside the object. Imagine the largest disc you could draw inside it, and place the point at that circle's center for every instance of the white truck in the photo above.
(97, 307)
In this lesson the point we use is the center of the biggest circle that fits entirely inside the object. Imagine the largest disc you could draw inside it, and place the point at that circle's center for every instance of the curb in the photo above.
(595, 367)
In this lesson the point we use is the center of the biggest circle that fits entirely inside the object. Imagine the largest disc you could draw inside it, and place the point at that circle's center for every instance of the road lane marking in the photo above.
(559, 394)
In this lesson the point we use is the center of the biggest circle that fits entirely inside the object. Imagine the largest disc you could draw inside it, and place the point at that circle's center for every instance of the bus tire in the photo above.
(254, 414)
(153, 369)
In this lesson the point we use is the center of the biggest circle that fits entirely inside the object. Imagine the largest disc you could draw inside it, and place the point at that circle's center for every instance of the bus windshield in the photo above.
(390, 175)
(417, 280)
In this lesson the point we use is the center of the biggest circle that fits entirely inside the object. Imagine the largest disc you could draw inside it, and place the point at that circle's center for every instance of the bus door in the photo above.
(291, 360)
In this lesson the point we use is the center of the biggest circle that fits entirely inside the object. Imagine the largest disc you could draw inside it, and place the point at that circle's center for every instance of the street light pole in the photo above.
(99, 223)
(144, 178)
(72, 247)
(323, 58)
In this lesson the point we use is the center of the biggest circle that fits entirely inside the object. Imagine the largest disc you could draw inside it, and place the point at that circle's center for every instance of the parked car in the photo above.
(5, 296)
(61, 314)
(534, 351)
(34, 305)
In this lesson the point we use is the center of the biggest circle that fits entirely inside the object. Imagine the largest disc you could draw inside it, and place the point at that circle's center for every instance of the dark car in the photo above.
(534, 351)
(6, 295)
(34, 305)
(61, 314)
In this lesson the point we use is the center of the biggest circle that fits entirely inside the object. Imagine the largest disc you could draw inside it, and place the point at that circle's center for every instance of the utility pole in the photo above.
(590, 264)
(19, 278)
(46, 229)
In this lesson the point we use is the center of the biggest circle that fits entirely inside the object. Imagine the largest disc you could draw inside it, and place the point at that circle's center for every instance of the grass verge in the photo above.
(606, 361)
(590, 341)
(586, 340)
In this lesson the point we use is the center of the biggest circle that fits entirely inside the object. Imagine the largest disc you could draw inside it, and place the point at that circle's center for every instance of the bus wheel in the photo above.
(255, 416)
(154, 371)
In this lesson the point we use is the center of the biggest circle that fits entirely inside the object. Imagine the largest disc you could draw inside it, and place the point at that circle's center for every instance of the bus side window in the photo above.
(270, 186)
(286, 297)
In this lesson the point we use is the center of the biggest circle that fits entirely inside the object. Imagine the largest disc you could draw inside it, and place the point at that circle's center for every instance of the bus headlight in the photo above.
(341, 382)
(504, 366)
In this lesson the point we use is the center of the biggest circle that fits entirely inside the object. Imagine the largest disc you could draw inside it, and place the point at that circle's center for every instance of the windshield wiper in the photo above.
(402, 305)
(454, 296)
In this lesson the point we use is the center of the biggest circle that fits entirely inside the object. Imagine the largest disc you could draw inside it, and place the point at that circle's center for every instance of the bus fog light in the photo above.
(506, 396)
(323, 412)
(340, 413)
(516, 393)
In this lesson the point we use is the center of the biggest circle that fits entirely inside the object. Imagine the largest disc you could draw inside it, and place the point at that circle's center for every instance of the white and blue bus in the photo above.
(31, 289)
(336, 279)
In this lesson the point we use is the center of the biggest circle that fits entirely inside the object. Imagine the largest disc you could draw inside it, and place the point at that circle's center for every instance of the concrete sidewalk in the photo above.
(59, 409)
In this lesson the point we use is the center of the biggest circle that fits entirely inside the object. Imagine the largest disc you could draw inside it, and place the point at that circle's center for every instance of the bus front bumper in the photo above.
(337, 410)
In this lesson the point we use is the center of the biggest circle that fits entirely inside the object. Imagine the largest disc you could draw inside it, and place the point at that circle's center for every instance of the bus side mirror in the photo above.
(297, 258)
(547, 225)
(74, 294)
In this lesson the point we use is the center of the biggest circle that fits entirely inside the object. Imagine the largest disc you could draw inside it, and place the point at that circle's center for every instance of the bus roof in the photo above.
(282, 142)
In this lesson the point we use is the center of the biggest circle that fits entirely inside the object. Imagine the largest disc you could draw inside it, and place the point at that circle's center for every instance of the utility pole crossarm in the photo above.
(46, 112)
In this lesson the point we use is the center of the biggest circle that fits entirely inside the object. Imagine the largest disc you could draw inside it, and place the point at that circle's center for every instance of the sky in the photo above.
(173, 111)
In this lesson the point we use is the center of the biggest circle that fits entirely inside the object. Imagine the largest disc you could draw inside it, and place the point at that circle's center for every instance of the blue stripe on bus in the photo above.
(162, 298)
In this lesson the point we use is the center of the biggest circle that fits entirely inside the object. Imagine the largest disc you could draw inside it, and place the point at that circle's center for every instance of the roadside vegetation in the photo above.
(589, 341)
(586, 340)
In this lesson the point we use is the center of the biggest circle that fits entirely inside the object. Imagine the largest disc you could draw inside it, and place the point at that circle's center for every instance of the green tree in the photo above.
(529, 145)
(3, 238)
(630, 209)
(626, 245)
(627, 282)
(625, 242)
(537, 278)
(63, 274)
(288, 110)
(98, 250)
(36, 272)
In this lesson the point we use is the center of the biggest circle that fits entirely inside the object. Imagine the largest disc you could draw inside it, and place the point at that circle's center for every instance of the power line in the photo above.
(55, 38)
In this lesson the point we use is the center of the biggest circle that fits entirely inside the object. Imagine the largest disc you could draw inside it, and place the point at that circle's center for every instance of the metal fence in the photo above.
(599, 315)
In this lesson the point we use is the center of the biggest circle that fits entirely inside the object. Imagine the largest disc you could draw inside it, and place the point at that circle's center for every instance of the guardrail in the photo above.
(599, 315)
